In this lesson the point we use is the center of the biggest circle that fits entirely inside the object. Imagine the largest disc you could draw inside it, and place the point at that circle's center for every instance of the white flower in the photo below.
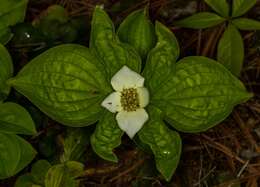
(129, 100)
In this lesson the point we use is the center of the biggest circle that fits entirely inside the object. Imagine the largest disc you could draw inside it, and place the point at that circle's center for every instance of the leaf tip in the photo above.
(244, 97)
(99, 8)
(10, 82)
(109, 156)
(248, 96)
(34, 131)
(167, 175)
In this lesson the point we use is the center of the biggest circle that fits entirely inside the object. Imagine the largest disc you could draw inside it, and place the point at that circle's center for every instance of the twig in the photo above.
(140, 162)
(206, 176)
(237, 181)
(245, 130)
(226, 151)
(242, 169)
(209, 45)
(199, 42)
(99, 171)
(216, 40)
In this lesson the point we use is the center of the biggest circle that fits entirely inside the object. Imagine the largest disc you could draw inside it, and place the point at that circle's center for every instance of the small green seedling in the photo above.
(231, 47)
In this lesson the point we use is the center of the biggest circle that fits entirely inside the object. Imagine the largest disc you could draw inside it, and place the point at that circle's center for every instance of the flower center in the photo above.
(130, 99)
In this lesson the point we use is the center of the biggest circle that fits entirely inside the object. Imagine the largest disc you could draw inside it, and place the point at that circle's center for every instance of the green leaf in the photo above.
(36, 177)
(25, 181)
(6, 71)
(56, 12)
(240, 7)
(74, 144)
(39, 170)
(246, 24)
(12, 11)
(165, 143)
(105, 43)
(106, 137)
(226, 176)
(200, 20)
(199, 95)
(15, 154)
(61, 28)
(74, 168)
(220, 6)
(161, 59)
(138, 31)
(64, 175)
(65, 83)
(15, 119)
(5, 35)
(231, 50)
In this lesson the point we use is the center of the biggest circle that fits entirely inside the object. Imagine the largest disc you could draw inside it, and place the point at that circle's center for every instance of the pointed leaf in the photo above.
(57, 177)
(12, 11)
(200, 20)
(161, 59)
(15, 119)
(165, 143)
(54, 13)
(15, 154)
(106, 45)
(240, 7)
(65, 83)
(39, 170)
(246, 24)
(74, 168)
(74, 144)
(231, 50)
(5, 35)
(106, 137)
(64, 175)
(199, 95)
(220, 6)
(6, 71)
(25, 181)
(138, 31)
(36, 177)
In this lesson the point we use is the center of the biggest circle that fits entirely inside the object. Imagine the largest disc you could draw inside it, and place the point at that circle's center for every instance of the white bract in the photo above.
(129, 99)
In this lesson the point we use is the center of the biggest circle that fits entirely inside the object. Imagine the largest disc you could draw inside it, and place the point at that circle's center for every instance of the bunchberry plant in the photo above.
(43, 174)
(107, 85)
(230, 50)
